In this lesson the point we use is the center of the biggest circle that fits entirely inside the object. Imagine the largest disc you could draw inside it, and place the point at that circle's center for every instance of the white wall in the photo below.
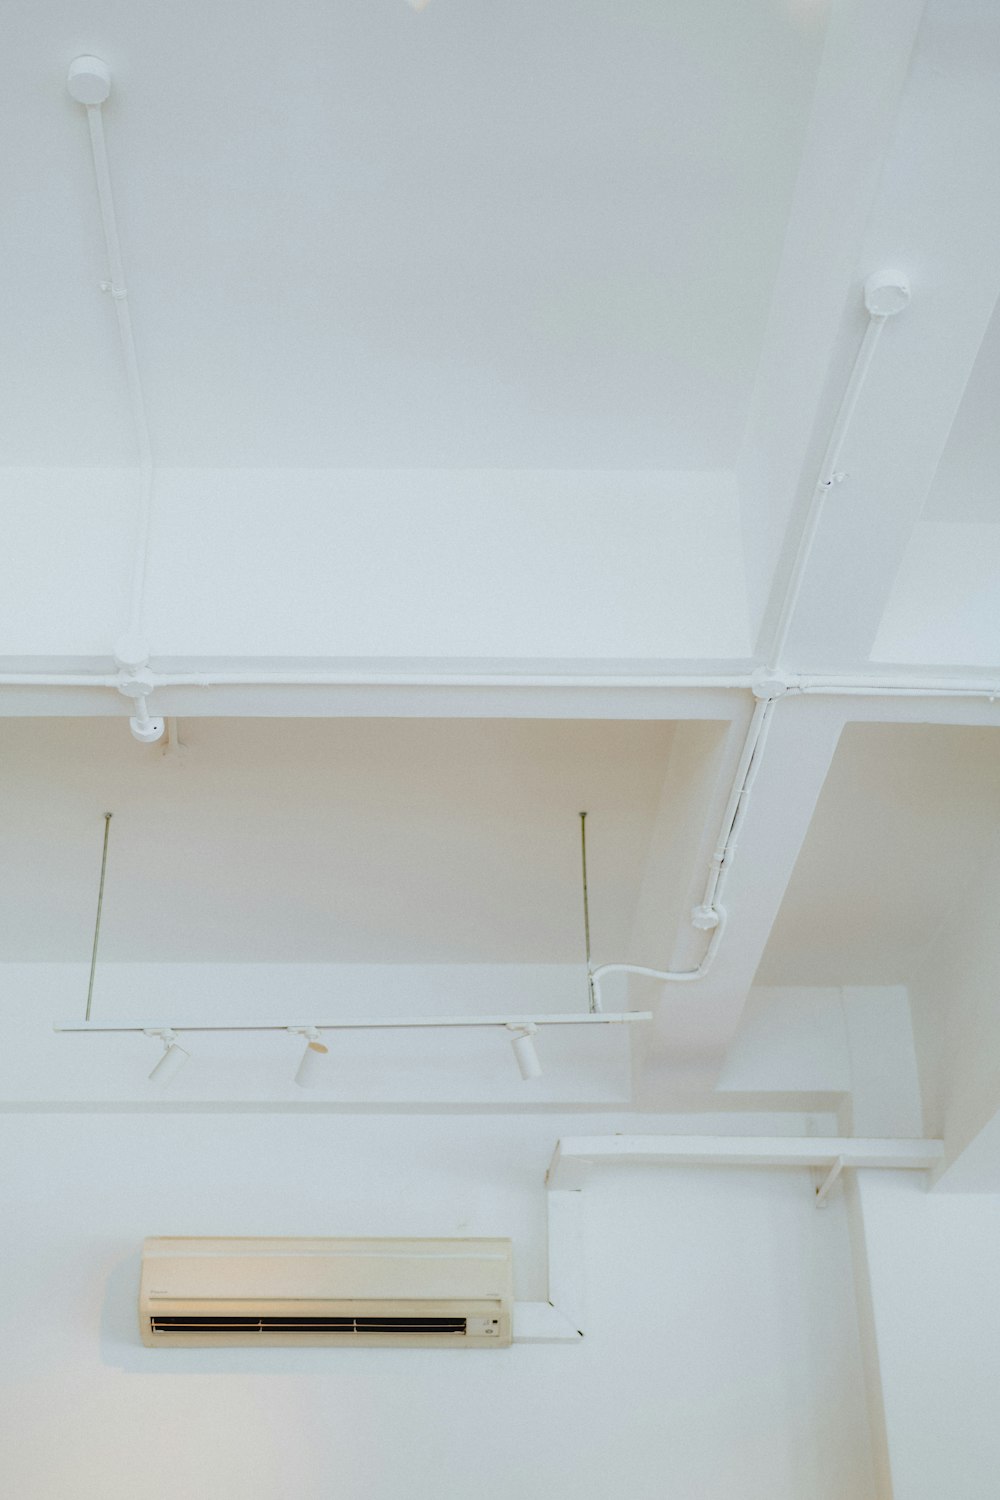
(419, 564)
(943, 605)
(957, 1029)
(720, 1360)
(932, 1260)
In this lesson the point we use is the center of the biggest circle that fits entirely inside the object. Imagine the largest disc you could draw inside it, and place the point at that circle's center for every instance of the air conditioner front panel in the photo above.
(430, 1293)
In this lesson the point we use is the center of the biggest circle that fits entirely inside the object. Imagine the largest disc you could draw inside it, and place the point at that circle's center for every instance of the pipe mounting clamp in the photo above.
(135, 684)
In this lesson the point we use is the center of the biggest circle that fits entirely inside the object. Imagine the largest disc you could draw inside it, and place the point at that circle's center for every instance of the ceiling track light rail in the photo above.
(368, 1023)
(314, 1070)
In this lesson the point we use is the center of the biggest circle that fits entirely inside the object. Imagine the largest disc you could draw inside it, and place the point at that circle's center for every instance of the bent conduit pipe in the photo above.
(885, 294)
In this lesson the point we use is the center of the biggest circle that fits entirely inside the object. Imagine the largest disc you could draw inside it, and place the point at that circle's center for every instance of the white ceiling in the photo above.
(343, 841)
(967, 483)
(535, 236)
(457, 841)
(538, 235)
(905, 822)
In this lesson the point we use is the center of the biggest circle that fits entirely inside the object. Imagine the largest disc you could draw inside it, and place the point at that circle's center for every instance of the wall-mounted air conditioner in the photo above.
(453, 1294)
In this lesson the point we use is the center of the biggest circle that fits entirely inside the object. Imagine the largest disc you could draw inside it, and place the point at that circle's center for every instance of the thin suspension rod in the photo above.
(97, 923)
(592, 997)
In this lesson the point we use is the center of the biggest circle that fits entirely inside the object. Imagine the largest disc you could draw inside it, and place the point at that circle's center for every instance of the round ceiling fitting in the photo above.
(886, 293)
(89, 80)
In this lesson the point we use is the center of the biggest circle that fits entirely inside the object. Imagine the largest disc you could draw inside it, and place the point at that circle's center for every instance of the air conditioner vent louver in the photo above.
(445, 1294)
(307, 1325)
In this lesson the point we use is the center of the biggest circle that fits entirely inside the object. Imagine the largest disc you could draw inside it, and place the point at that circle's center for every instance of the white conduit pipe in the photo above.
(873, 688)
(829, 477)
(440, 679)
(877, 687)
(886, 294)
(711, 914)
(115, 286)
(746, 774)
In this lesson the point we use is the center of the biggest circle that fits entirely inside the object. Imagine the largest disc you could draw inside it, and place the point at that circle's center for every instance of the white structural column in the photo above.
(695, 1023)
(957, 1026)
(929, 1266)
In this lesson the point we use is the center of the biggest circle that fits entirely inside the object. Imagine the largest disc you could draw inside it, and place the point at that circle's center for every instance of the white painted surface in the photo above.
(965, 486)
(816, 305)
(945, 602)
(933, 215)
(957, 1026)
(534, 239)
(885, 1084)
(905, 819)
(697, 1022)
(355, 235)
(789, 1039)
(932, 1262)
(328, 841)
(720, 1304)
(430, 563)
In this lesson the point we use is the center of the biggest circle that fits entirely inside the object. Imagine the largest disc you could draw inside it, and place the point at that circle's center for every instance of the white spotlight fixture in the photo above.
(173, 1059)
(524, 1050)
(311, 1070)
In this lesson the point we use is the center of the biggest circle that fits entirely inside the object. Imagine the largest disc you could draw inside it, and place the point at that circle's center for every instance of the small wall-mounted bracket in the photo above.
(559, 1319)
(823, 1184)
(576, 1156)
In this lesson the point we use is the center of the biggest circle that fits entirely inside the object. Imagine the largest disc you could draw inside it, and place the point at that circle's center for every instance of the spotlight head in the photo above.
(173, 1059)
(311, 1071)
(524, 1050)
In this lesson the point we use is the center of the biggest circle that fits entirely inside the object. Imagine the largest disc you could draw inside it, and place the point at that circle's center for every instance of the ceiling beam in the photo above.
(695, 1022)
(936, 220)
(865, 63)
